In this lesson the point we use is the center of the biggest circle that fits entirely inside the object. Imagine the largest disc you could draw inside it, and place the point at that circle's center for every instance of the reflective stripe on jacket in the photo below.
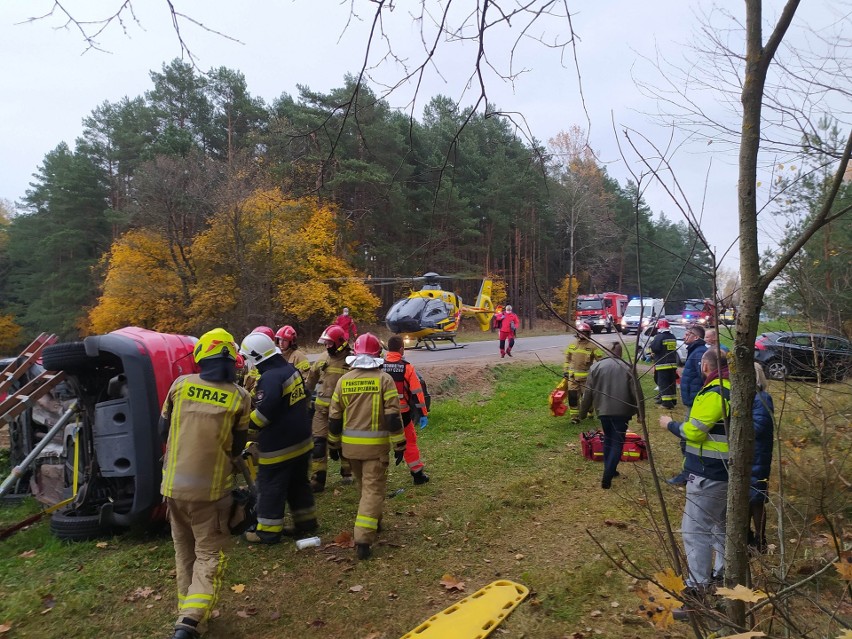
(664, 348)
(579, 357)
(324, 374)
(407, 383)
(281, 412)
(298, 359)
(706, 440)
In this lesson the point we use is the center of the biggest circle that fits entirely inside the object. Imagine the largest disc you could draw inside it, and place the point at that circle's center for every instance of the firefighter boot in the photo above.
(185, 633)
(420, 477)
(318, 481)
(363, 551)
(345, 471)
(262, 537)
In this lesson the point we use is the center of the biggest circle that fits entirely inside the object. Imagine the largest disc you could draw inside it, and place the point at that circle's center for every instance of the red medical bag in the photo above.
(591, 444)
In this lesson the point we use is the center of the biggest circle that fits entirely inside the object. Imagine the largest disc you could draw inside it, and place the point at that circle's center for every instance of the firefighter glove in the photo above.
(334, 453)
(397, 455)
(424, 421)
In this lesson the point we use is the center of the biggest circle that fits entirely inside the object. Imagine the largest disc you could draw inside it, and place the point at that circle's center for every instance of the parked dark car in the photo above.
(791, 354)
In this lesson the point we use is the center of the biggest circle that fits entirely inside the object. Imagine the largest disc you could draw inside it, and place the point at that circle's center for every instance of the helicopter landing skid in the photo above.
(431, 344)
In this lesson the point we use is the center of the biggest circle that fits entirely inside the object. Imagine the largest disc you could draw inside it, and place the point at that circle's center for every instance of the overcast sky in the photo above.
(51, 83)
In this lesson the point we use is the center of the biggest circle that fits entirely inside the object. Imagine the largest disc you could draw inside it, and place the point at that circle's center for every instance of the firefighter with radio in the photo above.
(279, 423)
(664, 348)
(579, 357)
(285, 339)
(204, 423)
(321, 380)
(412, 401)
(364, 423)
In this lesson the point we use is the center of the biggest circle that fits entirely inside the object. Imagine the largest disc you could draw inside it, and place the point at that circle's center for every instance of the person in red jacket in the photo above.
(508, 324)
(412, 404)
(345, 321)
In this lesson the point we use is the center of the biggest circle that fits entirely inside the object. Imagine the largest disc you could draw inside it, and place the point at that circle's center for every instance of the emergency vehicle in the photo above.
(601, 311)
(699, 311)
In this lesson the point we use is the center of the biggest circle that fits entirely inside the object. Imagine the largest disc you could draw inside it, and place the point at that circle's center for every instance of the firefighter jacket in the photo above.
(508, 324)
(407, 383)
(202, 418)
(579, 357)
(706, 453)
(364, 415)
(323, 377)
(664, 348)
(281, 413)
(298, 359)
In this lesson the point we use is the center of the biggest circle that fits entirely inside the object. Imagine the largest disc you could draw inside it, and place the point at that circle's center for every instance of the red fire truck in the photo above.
(601, 311)
(699, 312)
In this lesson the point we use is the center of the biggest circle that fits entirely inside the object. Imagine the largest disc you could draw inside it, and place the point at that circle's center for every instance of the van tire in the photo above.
(70, 356)
(71, 525)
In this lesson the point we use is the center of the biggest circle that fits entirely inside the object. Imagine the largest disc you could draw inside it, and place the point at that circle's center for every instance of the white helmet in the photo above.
(508, 308)
(258, 347)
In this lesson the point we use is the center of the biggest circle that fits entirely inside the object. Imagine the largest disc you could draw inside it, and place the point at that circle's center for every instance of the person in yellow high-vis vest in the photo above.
(364, 423)
(579, 357)
(204, 423)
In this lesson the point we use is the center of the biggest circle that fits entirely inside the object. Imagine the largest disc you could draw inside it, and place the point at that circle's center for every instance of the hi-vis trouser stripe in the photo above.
(662, 367)
(205, 602)
(270, 525)
(370, 523)
(365, 437)
(284, 454)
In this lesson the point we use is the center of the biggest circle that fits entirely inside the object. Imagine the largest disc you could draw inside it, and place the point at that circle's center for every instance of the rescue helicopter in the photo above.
(433, 315)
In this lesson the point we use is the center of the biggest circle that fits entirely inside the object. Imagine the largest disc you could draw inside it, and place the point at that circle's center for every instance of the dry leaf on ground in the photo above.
(274, 615)
(140, 593)
(248, 612)
(844, 566)
(28, 554)
(451, 583)
(4, 628)
(670, 581)
(357, 588)
(657, 605)
(745, 635)
(616, 523)
(101, 544)
(344, 540)
(238, 588)
(741, 593)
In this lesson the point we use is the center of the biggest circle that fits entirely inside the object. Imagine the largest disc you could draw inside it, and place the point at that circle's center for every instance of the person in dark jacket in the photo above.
(610, 389)
(664, 348)
(764, 432)
(691, 381)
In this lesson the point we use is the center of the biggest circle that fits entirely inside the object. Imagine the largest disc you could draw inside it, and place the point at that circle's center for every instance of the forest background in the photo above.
(198, 204)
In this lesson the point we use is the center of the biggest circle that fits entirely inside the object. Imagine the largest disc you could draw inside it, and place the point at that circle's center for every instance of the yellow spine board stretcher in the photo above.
(475, 616)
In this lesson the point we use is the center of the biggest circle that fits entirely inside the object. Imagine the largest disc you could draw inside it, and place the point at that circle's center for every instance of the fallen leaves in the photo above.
(615, 523)
(102, 544)
(5, 627)
(741, 593)
(28, 554)
(357, 588)
(451, 583)
(844, 566)
(344, 540)
(670, 581)
(657, 605)
(238, 588)
(246, 613)
(140, 593)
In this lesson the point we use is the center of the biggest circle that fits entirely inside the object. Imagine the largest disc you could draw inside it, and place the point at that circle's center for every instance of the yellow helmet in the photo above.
(215, 343)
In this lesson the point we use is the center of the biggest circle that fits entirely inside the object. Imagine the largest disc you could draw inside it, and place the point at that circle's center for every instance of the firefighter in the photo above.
(364, 423)
(321, 380)
(251, 374)
(579, 357)
(279, 424)
(664, 348)
(411, 400)
(285, 339)
(508, 323)
(204, 422)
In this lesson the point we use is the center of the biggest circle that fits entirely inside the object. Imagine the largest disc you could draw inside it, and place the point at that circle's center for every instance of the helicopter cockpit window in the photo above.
(409, 307)
(435, 311)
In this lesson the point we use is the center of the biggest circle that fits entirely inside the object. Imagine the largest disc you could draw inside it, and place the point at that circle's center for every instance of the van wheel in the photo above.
(71, 525)
(70, 356)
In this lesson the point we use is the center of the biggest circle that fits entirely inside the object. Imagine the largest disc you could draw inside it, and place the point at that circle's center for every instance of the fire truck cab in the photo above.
(699, 311)
(601, 311)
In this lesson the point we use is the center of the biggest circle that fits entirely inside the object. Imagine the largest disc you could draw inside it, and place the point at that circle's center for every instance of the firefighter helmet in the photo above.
(264, 330)
(583, 327)
(332, 336)
(368, 344)
(286, 332)
(258, 347)
(215, 343)
(663, 323)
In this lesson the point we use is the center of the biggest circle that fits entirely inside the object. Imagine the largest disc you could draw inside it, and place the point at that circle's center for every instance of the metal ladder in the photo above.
(20, 399)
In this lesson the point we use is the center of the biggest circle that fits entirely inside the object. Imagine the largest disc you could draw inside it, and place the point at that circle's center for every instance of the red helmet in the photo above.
(286, 332)
(332, 336)
(662, 323)
(583, 327)
(368, 344)
(265, 330)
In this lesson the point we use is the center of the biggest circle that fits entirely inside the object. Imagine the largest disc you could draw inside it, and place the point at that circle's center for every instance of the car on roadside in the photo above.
(784, 354)
(647, 336)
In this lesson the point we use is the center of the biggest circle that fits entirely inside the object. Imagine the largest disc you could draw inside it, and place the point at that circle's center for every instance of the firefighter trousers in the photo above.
(372, 478)
(319, 457)
(666, 379)
(201, 538)
(285, 484)
(412, 452)
(575, 387)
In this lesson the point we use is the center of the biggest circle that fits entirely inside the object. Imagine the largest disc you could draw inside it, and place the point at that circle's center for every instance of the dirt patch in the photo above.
(451, 381)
